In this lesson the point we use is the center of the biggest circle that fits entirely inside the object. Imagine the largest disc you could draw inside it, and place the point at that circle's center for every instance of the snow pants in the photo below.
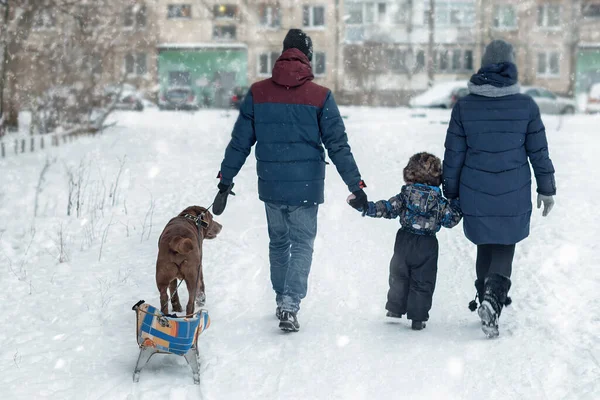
(413, 272)
(292, 232)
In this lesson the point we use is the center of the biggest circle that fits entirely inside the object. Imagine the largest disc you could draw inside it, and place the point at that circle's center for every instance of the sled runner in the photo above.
(168, 334)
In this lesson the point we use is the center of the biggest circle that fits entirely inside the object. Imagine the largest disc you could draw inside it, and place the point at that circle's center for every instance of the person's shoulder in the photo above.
(261, 85)
(319, 92)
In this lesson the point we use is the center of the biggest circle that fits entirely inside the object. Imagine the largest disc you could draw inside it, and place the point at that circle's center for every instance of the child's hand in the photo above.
(363, 211)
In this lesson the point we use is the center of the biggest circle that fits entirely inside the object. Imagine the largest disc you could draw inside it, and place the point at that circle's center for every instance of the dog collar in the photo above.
(199, 220)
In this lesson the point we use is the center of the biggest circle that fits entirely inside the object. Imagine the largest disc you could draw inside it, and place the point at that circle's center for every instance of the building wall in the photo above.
(531, 40)
(139, 41)
(404, 33)
(259, 39)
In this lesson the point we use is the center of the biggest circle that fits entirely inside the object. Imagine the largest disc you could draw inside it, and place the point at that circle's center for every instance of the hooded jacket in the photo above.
(493, 135)
(291, 120)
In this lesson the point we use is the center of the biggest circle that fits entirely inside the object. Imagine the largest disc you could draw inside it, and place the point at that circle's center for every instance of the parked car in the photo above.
(178, 98)
(238, 94)
(441, 95)
(548, 102)
(130, 98)
(130, 102)
(593, 100)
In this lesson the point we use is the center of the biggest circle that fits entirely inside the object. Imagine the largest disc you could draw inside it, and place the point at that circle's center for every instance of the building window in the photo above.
(179, 11)
(44, 19)
(449, 12)
(590, 10)
(266, 61)
(548, 64)
(269, 16)
(549, 16)
(224, 32)
(354, 14)
(371, 13)
(135, 16)
(313, 16)
(381, 12)
(443, 63)
(319, 64)
(395, 60)
(180, 79)
(456, 60)
(505, 17)
(135, 64)
(225, 11)
(468, 60)
(420, 61)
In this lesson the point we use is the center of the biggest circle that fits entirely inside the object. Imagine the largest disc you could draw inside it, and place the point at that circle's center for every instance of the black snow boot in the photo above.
(288, 322)
(418, 325)
(390, 314)
(480, 288)
(494, 298)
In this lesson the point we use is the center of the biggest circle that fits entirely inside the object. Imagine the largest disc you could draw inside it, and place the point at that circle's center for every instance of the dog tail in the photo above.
(181, 245)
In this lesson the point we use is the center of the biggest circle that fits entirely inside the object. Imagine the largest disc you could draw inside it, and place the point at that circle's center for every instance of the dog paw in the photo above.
(201, 299)
(177, 308)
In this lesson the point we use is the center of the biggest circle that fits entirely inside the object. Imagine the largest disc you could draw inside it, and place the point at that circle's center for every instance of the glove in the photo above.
(221, 198)
(359, 201)
(548, 203)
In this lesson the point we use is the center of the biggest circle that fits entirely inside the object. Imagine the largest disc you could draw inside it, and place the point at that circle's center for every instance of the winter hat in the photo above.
(296, 39)
(424, 168)
(498, 51)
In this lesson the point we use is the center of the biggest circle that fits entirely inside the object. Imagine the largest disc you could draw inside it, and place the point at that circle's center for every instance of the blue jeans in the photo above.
(292, 231)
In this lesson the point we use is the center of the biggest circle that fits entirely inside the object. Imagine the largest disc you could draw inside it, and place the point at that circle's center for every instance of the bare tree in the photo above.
(431, 43)
(14, 31)
(76, 101)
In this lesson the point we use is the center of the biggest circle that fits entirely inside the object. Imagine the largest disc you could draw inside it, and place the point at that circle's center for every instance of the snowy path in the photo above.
(69, 332)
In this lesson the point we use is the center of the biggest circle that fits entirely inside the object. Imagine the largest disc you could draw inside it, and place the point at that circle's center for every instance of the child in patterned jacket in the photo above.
(422, 211)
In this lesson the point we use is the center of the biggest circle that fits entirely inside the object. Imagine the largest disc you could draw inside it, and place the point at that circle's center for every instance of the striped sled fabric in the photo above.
(167, 334)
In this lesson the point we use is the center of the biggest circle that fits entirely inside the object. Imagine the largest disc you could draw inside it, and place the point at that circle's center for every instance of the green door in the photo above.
(212, 72)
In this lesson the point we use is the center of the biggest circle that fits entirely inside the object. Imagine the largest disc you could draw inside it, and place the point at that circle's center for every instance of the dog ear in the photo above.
(213, 229)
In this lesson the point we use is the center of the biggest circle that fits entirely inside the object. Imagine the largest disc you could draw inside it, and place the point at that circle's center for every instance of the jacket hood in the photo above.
(292, 69)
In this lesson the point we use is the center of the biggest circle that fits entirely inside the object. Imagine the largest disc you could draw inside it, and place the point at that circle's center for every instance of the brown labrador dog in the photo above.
(180, 257)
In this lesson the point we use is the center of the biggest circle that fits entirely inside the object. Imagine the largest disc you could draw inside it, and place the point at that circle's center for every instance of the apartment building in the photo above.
(217, 45)
(386, 45)
(540, 31)
(119, 40)
(373, 47)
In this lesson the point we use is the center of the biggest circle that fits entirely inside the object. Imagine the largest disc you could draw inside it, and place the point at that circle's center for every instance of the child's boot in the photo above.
(494, 298)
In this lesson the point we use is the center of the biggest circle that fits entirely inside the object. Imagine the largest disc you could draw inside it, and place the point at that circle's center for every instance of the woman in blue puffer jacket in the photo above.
(494, 133)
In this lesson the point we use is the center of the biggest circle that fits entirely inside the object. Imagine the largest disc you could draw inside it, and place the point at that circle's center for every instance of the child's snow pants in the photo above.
(413, 271)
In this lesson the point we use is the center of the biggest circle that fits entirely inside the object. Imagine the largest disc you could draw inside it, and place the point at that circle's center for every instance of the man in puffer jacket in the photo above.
(290, 118)
(494, 133)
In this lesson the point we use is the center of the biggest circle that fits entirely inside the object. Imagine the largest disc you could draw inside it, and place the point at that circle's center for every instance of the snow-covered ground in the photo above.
(69, 333)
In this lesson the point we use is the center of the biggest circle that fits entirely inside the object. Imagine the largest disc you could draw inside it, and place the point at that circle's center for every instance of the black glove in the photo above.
(221, 198)
(360, 201)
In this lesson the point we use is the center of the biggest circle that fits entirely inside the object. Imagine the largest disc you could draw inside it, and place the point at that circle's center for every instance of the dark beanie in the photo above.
(296, 39)
(498, 51)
